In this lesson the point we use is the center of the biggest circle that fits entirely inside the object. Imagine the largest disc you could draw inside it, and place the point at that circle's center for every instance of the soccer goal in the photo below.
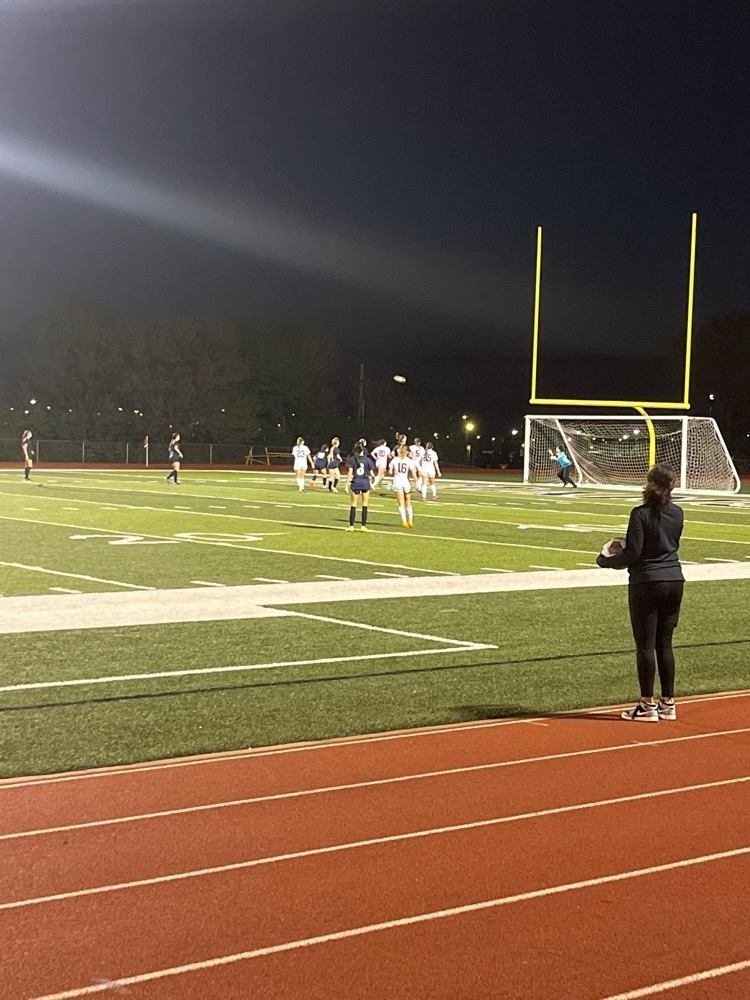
(615, 452)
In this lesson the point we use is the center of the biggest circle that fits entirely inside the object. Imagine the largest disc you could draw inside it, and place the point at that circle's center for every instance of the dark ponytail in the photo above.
(660, 482)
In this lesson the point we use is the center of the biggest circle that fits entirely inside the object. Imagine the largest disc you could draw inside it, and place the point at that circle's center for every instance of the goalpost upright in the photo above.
(640, 406)
(691, 428)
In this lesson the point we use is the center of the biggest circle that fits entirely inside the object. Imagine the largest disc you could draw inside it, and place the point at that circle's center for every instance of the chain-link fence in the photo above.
(126, 452)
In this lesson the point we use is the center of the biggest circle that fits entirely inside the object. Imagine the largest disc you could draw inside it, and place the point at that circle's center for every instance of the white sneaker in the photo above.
(641, 713)
(667, 710)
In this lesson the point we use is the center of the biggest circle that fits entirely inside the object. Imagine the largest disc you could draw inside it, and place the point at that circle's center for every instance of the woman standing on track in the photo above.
(401, 468)
(655, 590)
(334, 461)
(175, 457)
(359, 483)
(28, 454)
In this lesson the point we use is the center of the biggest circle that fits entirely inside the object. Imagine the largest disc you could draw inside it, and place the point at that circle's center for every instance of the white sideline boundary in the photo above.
(62, 612)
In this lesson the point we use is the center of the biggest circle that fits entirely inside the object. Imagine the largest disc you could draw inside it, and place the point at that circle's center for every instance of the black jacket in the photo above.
(651, 545)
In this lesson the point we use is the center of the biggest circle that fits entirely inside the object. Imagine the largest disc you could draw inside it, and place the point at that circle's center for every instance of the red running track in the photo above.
(574, 858)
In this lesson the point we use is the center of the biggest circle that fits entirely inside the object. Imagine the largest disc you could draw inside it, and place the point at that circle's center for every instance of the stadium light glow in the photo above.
(456, 286)
(400, 379)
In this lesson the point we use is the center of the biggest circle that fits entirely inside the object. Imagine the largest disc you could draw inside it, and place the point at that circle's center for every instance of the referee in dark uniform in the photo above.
(655, 591)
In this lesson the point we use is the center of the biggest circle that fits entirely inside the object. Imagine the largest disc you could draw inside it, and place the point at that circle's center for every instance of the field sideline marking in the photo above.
(76, 576)
(372, 783)
(418, 918)
(459, 643)
(250, 547)
(673, 984)
(161, 675)
(364, 740)
(354, 845)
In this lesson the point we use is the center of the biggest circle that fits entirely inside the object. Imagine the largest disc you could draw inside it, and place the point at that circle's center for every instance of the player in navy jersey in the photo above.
(359, 482)
(28, 454)
(175, 457)
(334, 461)
(320, 465)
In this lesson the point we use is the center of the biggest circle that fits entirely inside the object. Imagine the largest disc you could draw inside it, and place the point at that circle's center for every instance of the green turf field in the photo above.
(337, 661)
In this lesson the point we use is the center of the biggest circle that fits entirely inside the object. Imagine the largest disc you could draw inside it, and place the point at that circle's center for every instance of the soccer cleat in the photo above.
(364, 528)
(404, 524)
(350, 528)
(641, 713)
(667, 710)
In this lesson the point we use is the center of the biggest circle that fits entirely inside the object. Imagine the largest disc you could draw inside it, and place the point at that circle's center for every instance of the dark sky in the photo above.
(378, 168)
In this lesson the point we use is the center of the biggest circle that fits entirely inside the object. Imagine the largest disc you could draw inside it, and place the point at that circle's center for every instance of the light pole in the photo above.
(468, 427)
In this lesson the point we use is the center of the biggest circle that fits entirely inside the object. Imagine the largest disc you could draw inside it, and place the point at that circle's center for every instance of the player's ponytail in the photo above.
(660, 482)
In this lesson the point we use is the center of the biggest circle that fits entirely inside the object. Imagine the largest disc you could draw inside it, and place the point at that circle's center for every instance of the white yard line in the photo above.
(352, 786)
(329, 576)
(247, 547)
(46, 613)
(75, 576)
(492, 569)
(268, 579)
(207, 583)
(64, 590)
(202, 671)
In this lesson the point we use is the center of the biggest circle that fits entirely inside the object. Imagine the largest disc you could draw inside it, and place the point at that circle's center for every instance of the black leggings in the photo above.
(654, 613)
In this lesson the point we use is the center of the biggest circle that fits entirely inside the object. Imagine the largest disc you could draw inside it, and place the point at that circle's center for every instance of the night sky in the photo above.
(377, 169)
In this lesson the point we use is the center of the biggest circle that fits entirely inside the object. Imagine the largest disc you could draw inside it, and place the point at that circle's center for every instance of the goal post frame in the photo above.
(639, 405)
(721, 465)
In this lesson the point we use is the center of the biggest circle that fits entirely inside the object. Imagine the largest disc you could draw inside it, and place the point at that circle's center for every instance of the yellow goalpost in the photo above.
(640, 406)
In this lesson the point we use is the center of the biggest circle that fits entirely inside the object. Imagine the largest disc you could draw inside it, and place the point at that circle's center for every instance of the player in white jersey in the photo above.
(380, 454)
(402, 467)
(417, 451)
(429, 469)
(301, 456)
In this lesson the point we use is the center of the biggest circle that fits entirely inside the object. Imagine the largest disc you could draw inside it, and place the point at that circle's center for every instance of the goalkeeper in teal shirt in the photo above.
(564, 466)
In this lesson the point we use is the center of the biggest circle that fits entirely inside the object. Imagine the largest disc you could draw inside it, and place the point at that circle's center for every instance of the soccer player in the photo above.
(564, 466)
(381, 453)
(28, 454)
(334, 461)
(402, 467)
(429, 469)
(175, 457)
(301, 456)
(320, 463)
(417, 451)
(359, 482)
(654, 592)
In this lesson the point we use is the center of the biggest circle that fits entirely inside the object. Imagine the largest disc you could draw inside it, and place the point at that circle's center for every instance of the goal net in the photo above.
(614, 451)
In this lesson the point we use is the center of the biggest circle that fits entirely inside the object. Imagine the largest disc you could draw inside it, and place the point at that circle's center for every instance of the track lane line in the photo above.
(351, 786)
(371, 842)
(419, 918)
(673, 984)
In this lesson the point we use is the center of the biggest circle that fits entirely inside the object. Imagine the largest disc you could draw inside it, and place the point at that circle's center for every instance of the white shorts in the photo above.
(402, 484)
(428, 470)
(381, 466)
(300, 466)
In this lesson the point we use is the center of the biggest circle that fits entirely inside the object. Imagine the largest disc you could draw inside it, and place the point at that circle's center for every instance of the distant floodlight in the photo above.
(514, 432)
(33, 401)
(400, 379)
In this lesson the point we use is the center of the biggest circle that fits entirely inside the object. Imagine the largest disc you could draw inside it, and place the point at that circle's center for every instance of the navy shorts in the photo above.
(358, 488)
